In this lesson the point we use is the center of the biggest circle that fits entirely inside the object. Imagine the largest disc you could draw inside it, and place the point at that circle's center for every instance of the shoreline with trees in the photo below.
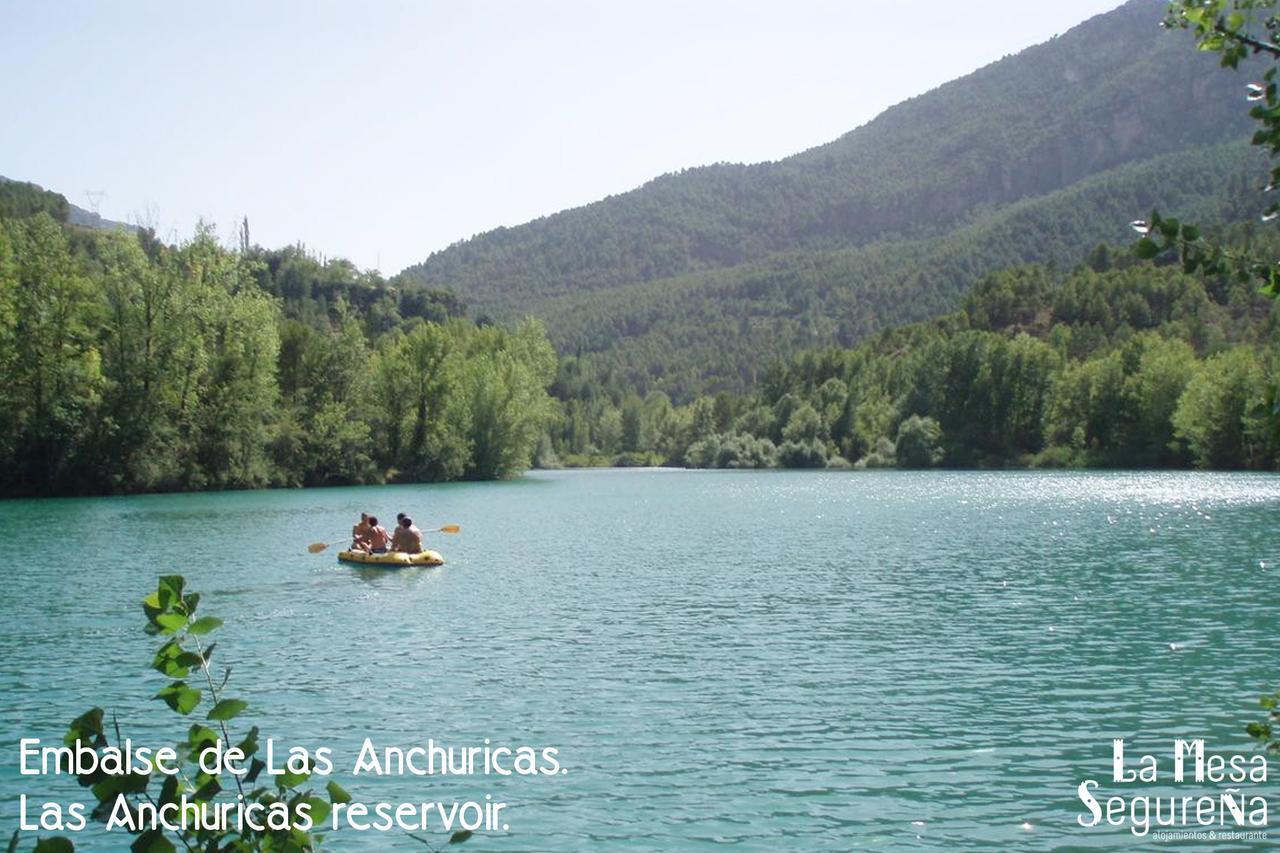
(137, 366)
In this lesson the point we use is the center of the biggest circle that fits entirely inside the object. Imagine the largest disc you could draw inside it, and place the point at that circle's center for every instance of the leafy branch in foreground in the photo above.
(1237, 30)
(277, 815)
(131, 801)
(1198, 253)
(1267, 732)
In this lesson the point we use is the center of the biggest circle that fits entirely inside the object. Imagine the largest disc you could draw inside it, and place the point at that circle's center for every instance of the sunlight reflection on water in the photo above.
(817, 660)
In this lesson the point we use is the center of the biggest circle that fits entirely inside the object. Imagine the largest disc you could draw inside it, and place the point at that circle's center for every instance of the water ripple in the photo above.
(825, 661)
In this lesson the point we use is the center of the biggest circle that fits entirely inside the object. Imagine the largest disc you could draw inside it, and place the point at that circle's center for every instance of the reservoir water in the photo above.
(774, 660)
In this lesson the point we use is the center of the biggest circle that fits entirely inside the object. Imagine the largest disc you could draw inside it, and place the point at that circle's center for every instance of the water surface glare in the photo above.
(775, 660)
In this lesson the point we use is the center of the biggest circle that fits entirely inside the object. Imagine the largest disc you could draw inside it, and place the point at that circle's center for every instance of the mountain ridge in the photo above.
(1113, 89)
(714, 330)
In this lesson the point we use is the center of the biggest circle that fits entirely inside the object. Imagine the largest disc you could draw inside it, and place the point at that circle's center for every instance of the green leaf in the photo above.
(460, 836)
(1146, 249)
(208, 791)
(227, 709)
(305, 840)
(289, 779)
(187, 701)
(256, 766)
(152, 841)
(57, 844)
(174, 661)
(1190, 233)
(249, 745)
(107, 789)
(204, 625)
(102, 811)
(86, 728)
(169, 590)
(337, 794)
(319, 809)
(200, 737)
(180, 696)
(134, 783)
(171, 622)
(169, 790)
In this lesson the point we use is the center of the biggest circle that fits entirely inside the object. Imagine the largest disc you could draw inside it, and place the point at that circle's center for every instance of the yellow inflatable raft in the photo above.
(391, 559)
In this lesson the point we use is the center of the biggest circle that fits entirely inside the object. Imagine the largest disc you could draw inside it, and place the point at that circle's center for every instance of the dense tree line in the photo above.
(1117, 363)
(309, 287)
(132, 365)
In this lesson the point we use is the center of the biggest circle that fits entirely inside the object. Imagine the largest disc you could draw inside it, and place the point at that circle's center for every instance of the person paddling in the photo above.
(360, 534)
(407, 538)
(378, 539)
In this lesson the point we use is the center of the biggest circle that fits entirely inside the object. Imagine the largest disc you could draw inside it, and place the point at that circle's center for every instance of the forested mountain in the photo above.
(716, 330)
(891, 222)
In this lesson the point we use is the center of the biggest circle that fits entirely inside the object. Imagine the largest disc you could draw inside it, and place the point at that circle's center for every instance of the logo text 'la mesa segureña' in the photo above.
(1236, 805)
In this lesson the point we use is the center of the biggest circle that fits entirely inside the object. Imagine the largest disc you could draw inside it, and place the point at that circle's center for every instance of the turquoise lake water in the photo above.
(772, 661)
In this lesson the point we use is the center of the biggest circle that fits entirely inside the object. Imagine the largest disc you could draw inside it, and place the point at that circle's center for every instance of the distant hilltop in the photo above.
(22, 198)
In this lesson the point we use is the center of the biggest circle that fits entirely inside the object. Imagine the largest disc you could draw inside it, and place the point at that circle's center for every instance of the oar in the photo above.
(317, 547)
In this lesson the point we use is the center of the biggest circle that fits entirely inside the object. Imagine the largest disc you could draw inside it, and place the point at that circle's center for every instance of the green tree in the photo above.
(919, 443)
(507, 376)
(148, 324)
(229, 386)
(1151, 394)
(804, 425)
(435, 405)
(636, 434)
(1221, 414)
(54, 381)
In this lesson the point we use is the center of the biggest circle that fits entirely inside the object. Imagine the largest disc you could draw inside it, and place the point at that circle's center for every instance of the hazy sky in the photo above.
(382, 131)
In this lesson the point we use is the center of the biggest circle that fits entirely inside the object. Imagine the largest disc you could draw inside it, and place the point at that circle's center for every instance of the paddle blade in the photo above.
(317, 547)
(450, 528)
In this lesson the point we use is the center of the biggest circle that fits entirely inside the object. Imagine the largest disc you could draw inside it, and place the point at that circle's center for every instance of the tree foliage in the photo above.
(1116, 363)
(132, 365)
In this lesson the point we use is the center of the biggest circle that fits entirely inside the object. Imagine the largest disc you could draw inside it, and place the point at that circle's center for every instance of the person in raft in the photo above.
(360, 534)
(407, 538)
(379, 538)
